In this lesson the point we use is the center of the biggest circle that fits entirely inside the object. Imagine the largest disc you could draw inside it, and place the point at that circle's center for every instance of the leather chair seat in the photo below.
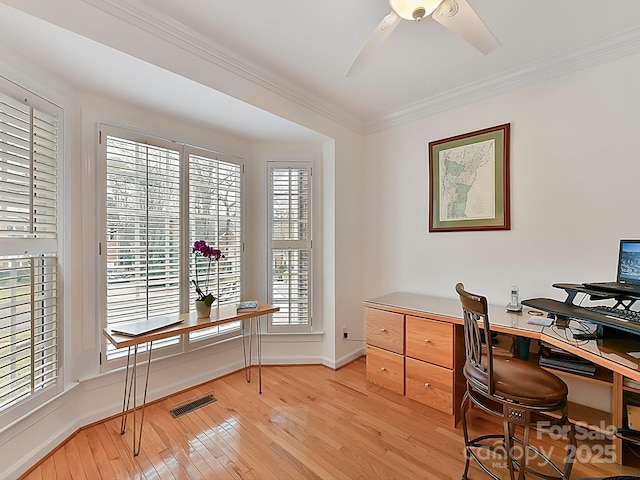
(519, 381)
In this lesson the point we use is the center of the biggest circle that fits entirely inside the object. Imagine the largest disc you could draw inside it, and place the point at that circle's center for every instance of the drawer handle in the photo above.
(383, 330)
(426, 385)
(382, 369)
(426, 340)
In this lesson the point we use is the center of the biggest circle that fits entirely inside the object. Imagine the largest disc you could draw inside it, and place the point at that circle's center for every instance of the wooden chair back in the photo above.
(475, 309)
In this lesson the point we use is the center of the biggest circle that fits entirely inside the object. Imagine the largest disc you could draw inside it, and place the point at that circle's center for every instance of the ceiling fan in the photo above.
(456, 15)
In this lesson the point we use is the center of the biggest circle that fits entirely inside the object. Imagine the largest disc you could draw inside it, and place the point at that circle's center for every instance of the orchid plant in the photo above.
(201, 248)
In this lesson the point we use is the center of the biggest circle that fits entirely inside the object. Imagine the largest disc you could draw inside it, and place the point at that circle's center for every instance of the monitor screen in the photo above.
(629, 262)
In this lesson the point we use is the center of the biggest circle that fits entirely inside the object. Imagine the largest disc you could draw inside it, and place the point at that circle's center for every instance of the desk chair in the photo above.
(518, 392)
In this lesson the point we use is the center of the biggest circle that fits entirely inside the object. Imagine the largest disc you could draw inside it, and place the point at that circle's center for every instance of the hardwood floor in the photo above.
(310, 423)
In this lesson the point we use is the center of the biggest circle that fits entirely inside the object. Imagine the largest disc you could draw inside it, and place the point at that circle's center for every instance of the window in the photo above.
(159, 196)
(143, 232)
(290, 245)
(214, 214)
(29, 328)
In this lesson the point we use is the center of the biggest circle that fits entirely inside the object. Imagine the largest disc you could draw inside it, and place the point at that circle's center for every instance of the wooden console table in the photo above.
(415, 349)
(190, 322)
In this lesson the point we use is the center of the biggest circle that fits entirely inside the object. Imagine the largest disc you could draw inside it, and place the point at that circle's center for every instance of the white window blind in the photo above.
(29, 329)
(160, 196)
(215, 215)
(143, 232)
(290, 244)
(28, 145)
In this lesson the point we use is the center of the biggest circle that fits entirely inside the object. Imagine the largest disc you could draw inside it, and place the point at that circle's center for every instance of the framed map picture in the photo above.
(469, 181)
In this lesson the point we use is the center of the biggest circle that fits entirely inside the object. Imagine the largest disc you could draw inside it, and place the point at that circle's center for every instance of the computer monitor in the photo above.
(629, 262)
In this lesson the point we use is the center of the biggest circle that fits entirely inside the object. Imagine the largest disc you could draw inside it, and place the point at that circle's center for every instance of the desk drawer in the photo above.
(385, 330)
(430, 341)
(385, 369)
(430, 385)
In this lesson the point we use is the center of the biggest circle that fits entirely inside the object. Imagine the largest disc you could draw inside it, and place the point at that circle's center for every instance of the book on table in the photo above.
(146, 325)
(247, 305)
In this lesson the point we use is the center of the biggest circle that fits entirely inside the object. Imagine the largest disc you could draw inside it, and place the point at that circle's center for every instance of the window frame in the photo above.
(169, 346)
(199, 338)
(184, 343)
(51, 246)
(306, 244)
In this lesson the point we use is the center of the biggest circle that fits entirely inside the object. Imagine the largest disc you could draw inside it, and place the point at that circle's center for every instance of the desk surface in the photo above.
(614, 353)
(219, 315)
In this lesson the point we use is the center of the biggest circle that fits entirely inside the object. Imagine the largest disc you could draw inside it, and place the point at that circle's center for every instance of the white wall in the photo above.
(337, 233)
(574, 191)
(575, 171)
(90, 395)
(349, 241)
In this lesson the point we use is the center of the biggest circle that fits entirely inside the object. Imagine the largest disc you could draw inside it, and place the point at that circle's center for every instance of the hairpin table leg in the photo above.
(136, 450)
(259, 335)
(247, 358)
(128, 384)
(131, 384)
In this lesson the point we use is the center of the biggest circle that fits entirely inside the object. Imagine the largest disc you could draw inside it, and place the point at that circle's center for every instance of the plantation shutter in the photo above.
(215, 216)
(290, 240)
(143, 232)
(29, 358)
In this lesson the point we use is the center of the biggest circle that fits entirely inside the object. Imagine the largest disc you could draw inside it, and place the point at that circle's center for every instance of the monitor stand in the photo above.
(573, 289)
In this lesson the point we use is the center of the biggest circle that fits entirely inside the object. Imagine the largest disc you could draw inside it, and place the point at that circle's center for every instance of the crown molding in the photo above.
(177, 34)
(596, 53)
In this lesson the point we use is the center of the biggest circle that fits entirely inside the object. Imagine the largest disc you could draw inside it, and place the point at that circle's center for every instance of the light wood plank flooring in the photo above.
(310, 423)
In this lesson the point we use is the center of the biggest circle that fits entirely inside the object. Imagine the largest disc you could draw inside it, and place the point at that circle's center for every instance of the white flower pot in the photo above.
(202, 309)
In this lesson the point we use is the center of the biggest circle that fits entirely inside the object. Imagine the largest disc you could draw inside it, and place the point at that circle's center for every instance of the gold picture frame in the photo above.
(469, 181)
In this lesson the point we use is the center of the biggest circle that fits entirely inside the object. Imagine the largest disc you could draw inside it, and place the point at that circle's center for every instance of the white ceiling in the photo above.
(304, 48)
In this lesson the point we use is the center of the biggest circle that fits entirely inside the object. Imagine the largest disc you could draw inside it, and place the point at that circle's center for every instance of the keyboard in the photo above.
(620, 313)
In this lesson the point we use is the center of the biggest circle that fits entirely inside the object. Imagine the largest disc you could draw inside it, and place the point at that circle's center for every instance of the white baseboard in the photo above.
(349, 357)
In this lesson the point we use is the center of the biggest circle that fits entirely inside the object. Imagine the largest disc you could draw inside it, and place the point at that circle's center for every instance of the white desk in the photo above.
(191, 322)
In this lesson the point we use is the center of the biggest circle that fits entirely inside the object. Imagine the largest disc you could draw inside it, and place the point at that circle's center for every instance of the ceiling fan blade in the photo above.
(377, 38)
(459, 17)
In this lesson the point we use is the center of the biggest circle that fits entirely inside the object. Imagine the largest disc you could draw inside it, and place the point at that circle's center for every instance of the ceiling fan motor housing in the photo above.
(414, 9)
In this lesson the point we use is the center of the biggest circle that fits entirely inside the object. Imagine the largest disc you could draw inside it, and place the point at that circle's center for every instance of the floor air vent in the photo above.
(191, 406)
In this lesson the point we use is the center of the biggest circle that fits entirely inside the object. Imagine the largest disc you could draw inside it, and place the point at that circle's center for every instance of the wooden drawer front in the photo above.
(385, 369)
(385, 330)
(430, 385)
(430, 340)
